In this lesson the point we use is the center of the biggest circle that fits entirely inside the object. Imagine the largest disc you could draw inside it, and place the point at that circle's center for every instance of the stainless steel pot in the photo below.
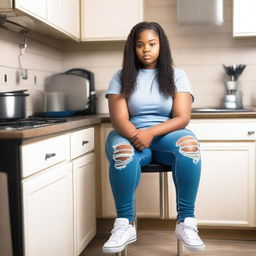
(13, 105)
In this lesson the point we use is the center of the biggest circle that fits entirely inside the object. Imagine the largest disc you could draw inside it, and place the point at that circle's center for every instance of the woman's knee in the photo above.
(119, 149)
(122, 154)
(188, 145)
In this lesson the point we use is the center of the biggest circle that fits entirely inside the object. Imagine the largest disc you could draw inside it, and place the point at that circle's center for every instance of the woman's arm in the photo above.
(181, 114)
(119, 116)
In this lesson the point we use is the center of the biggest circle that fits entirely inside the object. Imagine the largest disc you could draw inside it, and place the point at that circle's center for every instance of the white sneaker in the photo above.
(187, 232)
(122, 234)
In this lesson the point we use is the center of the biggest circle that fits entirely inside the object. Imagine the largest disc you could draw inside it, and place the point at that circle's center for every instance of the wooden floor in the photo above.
(163, 243)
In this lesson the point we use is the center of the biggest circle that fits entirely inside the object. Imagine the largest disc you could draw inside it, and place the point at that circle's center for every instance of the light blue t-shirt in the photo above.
(147, 107)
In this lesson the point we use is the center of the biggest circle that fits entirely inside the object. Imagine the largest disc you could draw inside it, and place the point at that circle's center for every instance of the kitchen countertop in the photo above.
(83, 121)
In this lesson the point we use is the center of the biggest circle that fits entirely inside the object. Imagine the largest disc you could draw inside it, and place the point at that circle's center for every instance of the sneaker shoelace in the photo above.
(118, 232)
(191, 232)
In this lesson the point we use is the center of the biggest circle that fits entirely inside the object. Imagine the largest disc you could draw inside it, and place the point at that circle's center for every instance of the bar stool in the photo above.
(163, 196)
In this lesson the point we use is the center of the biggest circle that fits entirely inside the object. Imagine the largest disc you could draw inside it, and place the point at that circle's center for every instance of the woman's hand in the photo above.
(142, 139)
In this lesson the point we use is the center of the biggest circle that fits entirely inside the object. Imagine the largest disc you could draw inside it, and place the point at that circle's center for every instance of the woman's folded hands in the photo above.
(142, 139)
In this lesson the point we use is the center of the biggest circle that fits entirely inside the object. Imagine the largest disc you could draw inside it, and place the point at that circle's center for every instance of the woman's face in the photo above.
(147, 48)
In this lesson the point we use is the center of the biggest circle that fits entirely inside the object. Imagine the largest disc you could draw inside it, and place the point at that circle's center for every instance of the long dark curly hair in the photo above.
(131, 64)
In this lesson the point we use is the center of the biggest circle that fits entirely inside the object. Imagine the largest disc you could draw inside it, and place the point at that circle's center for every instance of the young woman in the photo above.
(150, 106)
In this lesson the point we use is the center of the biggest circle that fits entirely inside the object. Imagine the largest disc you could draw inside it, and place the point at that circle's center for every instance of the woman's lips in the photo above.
(146, 57)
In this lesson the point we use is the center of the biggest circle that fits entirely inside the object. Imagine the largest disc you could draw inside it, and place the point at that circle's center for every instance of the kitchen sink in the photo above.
(220, 110)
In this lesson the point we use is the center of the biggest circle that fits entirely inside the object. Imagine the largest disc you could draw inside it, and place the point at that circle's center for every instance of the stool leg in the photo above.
(179, 248)
(124, 252)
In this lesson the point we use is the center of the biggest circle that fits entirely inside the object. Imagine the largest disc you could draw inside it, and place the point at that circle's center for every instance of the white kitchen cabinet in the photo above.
(36, 8)
(84, 201)
(226, 194)
(47, 211)
(83, 161)
(65, 15)
(62, 15)
(244, 19)
(109, 20)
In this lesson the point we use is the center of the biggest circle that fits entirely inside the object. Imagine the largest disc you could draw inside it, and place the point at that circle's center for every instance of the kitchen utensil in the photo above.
(234, 71)
(12, 105)
(54, 101)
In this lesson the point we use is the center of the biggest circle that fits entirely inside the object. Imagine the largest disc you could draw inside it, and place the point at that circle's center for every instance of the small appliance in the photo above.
(233, 97)
(78, 86)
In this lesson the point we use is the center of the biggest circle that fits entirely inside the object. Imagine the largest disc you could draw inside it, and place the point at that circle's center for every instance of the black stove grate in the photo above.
(28, 123)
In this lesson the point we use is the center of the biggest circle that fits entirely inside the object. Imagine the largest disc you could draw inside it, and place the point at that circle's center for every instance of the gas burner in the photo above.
(28, 123)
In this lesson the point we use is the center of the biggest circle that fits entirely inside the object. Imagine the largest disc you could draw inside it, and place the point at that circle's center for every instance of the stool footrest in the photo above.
(156, 168)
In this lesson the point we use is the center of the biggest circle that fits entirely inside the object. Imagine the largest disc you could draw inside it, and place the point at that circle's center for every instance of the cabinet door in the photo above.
(244, 21)
(108, 205)
(84, 201)
(54, 12)
(35, 8)
(47, 212)
(65, 15)
(71, 17)
(225, 194)
(148, 187)
(109, 20)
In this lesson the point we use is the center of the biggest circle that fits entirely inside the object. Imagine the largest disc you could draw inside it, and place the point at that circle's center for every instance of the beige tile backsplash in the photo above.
(199, 50)
(40, 60)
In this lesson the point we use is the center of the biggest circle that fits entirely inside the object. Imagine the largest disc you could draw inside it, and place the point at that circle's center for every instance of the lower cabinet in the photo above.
(58, 193)
(227, 184)
(47, 211)
(84, 201)
(226, 195)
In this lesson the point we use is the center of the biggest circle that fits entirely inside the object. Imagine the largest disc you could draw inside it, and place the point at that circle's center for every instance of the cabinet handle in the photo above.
(85, 142)
(251, 132)
(49, 155)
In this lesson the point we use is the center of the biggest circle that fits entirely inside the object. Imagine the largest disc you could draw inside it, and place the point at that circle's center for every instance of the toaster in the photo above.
(78, 85)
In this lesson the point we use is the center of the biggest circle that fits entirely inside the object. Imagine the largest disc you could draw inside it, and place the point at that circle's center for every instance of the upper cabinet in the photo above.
(100, 20)
(244, 19)
(62, 15)
(32, 7)
(109, 20)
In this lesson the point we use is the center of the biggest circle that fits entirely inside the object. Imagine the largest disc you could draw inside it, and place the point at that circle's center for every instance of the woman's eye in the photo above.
(138, 45)
(152, 44)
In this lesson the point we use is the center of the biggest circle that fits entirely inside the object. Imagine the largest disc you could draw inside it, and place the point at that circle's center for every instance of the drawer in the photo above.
(82, 141)
(42, 154)
(223, 130)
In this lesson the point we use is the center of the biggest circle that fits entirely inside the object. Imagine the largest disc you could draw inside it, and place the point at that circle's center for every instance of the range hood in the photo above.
(204, 12)
(17, 23)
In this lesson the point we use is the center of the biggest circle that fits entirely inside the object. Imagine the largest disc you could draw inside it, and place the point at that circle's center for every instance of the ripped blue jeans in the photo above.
(179, 148)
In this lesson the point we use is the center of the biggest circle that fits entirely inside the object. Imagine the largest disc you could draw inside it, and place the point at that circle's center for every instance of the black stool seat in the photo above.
(156, 168)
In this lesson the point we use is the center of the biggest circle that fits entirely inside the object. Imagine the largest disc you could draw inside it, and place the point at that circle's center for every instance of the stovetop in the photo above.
(29, 123)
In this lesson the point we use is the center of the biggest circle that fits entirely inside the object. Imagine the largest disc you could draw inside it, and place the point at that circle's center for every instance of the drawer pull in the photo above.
(85, 142)
(49, 155)
(251, 132)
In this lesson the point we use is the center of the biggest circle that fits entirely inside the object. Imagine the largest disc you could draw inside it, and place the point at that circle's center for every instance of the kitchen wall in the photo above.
(40, 60)
(199, 50)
